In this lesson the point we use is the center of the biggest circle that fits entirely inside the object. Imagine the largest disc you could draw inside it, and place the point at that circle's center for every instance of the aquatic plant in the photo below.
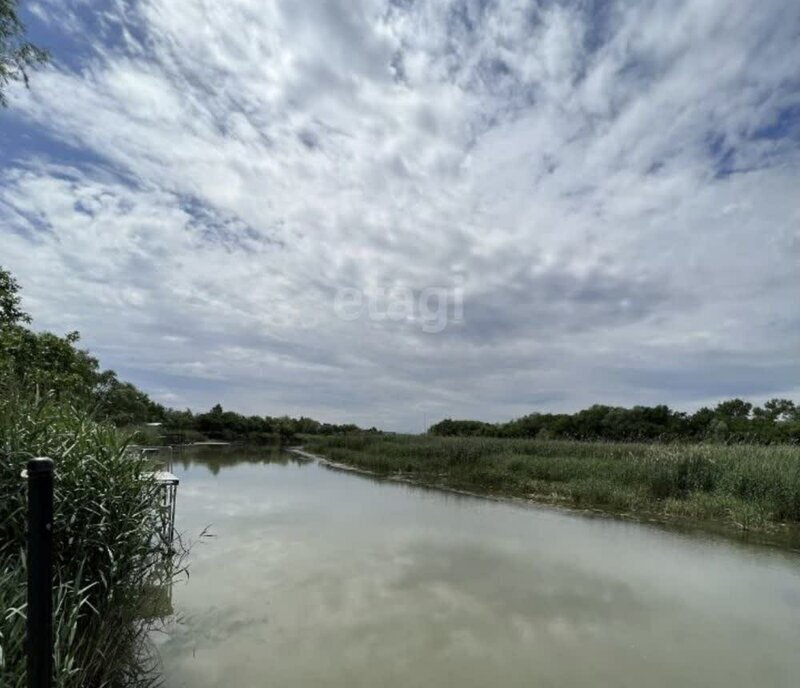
(108, 554)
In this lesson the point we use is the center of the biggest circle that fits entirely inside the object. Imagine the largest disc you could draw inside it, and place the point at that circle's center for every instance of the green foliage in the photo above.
(229, 426)
(123, 404)
(10, 311)
(107, 555)
(732, 421)
(748, 486)
(46, 361)
(55, 366)
(17, 56)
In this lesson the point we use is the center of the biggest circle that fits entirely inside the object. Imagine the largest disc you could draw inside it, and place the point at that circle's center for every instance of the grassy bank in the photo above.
(106, 514)
(742, 486)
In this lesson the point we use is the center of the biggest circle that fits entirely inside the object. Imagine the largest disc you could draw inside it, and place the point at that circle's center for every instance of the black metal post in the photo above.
(40, 573)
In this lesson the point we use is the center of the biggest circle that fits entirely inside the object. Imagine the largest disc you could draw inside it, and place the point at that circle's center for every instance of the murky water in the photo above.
(322, 578)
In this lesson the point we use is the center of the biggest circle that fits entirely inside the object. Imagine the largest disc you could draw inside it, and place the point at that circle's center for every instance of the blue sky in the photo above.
(605, 194)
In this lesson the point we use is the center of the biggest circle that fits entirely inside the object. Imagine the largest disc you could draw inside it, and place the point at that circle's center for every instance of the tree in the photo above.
(49, 363)
(733, 409)
(40, 359)
(17, 56)
(780, 410)
(123, 404)
(54, 365)
(10, 311)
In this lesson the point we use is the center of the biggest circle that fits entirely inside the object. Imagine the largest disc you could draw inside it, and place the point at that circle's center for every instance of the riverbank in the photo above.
(743, 489)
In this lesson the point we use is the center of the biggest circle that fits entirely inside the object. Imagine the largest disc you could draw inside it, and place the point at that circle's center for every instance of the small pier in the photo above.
(161, 459)
(168, 482)
(158, 600)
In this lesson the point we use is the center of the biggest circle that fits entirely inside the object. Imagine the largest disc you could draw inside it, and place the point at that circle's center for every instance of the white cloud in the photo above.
(614, 186)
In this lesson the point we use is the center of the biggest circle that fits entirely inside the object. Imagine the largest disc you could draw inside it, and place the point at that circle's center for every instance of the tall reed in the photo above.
(107, 516)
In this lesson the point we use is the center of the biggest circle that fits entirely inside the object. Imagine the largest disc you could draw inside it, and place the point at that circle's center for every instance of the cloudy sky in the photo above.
(395, 212)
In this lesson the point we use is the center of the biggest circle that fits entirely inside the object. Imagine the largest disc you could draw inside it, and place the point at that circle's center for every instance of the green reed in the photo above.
(747, 486)
(107, 551)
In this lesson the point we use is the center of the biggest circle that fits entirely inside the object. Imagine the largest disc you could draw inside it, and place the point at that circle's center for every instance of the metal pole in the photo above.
(40, 573)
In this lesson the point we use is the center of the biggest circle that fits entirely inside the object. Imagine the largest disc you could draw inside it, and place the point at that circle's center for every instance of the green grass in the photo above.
(743, 486)
(105, 516)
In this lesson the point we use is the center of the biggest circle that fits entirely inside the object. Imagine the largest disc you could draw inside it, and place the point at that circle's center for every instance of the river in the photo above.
(316, 577)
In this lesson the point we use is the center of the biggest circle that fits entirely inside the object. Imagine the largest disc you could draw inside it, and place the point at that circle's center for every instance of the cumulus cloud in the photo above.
(609, 189)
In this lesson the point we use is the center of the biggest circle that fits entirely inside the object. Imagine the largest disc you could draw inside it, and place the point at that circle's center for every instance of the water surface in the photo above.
(321, 578)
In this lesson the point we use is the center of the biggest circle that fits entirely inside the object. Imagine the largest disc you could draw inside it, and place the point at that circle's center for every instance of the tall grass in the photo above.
(748, 486)
(107, 516)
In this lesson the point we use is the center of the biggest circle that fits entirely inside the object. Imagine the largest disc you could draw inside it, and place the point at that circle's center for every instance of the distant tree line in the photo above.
(56, 365)
(735, 420)
(49, 364)
(219, 424)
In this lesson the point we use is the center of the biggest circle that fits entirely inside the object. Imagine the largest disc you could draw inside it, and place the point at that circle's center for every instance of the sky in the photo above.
(390, 213)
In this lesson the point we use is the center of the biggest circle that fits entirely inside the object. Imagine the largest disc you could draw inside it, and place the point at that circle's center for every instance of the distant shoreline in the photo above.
(785, 535)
